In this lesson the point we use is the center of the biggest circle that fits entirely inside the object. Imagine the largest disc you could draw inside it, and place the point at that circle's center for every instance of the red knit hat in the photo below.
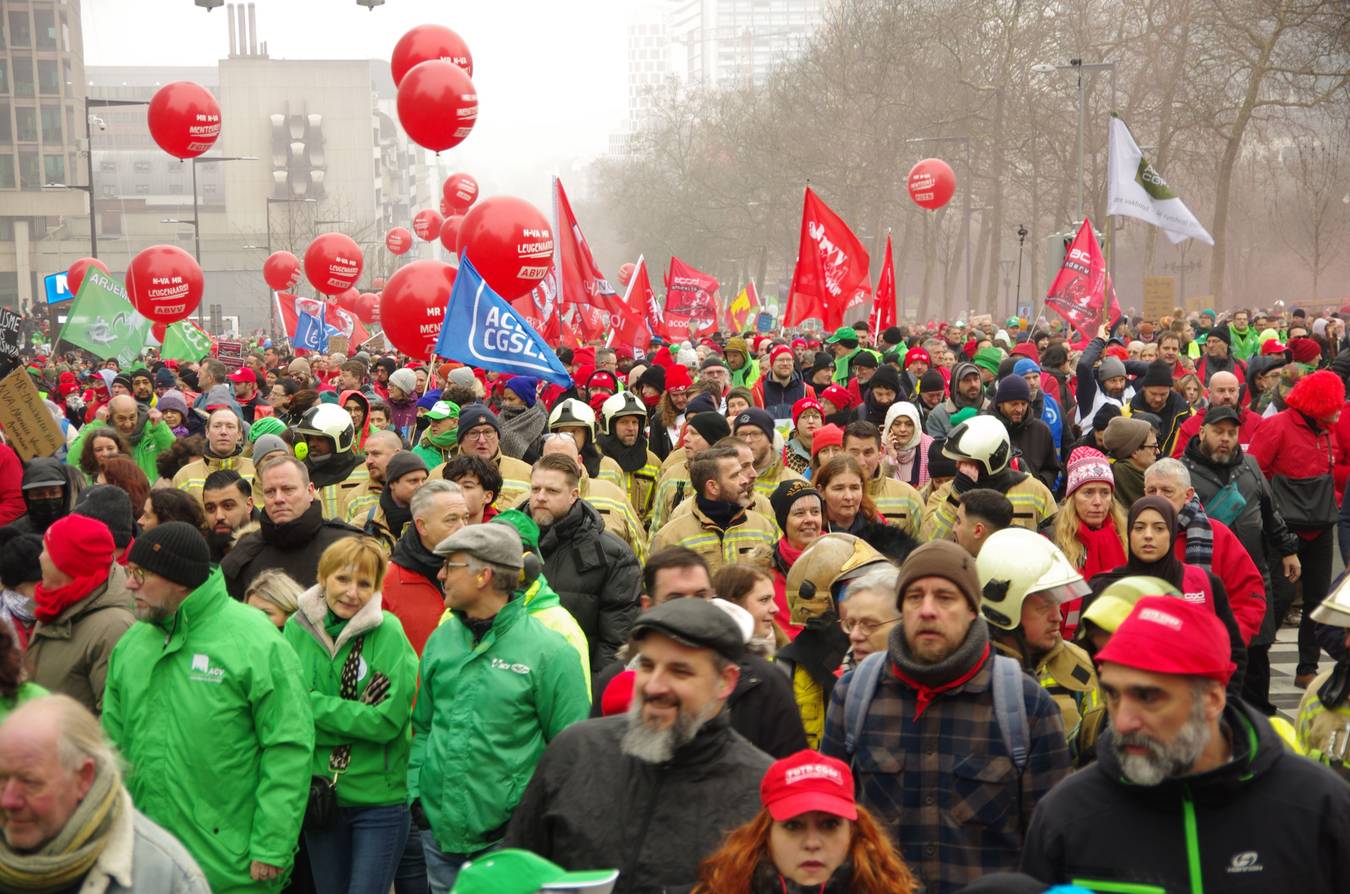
(1320, 395)
(1166, 635)
(79, 546)
(1305, 350)
(678, 379)
(827, 436)
(780, 349)
(806, 403)
(917, 353)
(840, 397)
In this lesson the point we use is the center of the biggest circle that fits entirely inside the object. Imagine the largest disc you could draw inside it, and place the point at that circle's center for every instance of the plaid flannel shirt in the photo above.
(944, 786)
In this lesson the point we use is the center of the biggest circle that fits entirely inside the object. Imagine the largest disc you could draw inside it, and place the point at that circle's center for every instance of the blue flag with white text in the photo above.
(311, 333)
(481, 329)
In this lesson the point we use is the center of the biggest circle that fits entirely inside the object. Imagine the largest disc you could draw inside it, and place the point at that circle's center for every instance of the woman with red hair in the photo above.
(810, 836)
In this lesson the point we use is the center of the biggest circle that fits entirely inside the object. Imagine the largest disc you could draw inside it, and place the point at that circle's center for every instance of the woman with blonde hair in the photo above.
(276, 594)
(811, 835)
(1090, 526)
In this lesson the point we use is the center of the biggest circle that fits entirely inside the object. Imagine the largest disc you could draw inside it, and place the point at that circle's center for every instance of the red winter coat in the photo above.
(11, 486)
(1290, 447)
(415, 602)
(1242, 580)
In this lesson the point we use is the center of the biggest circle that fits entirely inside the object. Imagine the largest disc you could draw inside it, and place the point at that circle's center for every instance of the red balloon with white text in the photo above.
(333, 263)
(412, 306)
(281, 271)
(437, 105)
(164, 283)
(931, 183)
(398, 240)
(184, 119)
(460, 191)
(77, 270)
(509, 242)
(427, 42)
(427, 225)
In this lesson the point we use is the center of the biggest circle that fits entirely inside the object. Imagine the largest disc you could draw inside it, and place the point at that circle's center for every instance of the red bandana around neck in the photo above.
(926, 694)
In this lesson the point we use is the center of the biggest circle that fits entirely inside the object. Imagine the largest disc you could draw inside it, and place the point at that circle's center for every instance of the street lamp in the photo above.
(195, 220)
(89, 158)
(965, 199)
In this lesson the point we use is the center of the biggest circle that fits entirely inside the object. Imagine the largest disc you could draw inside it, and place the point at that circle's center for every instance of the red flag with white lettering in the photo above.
(539, 307)
(1082, 293)
(831, 266)
(632, 327)
(883, 307)
(579, 278)
(691, 296)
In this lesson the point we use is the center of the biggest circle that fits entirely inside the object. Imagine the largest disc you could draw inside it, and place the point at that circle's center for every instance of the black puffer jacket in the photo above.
(294, 547)
(590, 805)
(1265, 821)
(596, 576)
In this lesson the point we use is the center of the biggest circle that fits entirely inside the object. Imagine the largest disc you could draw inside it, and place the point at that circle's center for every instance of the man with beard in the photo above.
(1030, 436)
(386, 521)
(618, 515)
(1217, 356)
(335, 468)
(490, 659)
(1224, 391)
(718, 526)
(654, 790)
(1154, 394)
(595, 573)
(224, 450)
(783, 386)
(755, 427)
(1100, 385)
(142, 387)
(227, 503)
(1204, 786)
(984, 742)
(355, 503)
(701, 431)
(967, 391)
(210, 374)
(144, 429)
(625, 442)
(50, 489)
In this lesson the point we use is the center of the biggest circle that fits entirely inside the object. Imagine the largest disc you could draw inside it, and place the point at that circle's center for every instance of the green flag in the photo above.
(184, 341)
(103, 322)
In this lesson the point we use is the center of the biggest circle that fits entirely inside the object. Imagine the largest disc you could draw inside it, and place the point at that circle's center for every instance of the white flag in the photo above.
(1135, 189)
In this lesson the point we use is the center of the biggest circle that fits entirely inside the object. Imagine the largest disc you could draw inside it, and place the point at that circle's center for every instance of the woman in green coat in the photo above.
(361, 672)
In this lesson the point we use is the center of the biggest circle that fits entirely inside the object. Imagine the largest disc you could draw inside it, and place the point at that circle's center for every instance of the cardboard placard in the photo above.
(1197, 303)
(1160, 296)
(11, 338)
(337, 344)
(230, 352)
(28, 424)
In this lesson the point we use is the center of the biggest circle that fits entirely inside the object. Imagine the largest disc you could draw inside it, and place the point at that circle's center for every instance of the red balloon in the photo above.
(164, 283)
(347, 300)
(367, 308)
(158, 330)
(931, 183)
(450, 232)
(426, 42)
(446, 208)
(377, 283)
(398, 240)
(626, 273)
(281, 270)
(75, 273)
(333, 263)
(510, 243)
(460, 191)
(184, 119)
(437, 105)
(412, 306)
(427, 225)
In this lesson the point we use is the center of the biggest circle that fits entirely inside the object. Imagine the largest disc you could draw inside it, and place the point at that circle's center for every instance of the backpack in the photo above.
(1010, 707)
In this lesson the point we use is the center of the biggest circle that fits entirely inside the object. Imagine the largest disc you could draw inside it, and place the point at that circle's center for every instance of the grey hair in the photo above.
(278, 588)
(422, 498)
(883, 580)
(500, 573)
(1169, 468)
(79, 735)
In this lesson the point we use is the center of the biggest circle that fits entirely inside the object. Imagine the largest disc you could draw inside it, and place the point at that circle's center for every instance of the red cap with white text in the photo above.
(1166, 635)
(807, 781)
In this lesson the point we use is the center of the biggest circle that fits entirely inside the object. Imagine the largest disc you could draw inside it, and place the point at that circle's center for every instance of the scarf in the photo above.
(630, 459)
(292, 534)
(1169, 567)
(62, 862)
(521, 430)
(1199, 534)
(931, 680)
(49, 604)
(412, 554)
(722, 513)
(768, 880)
(1103, 550)
(785, 555)
(396, 516)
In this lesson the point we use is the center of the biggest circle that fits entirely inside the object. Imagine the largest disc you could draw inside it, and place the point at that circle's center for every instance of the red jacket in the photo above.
(415, 601)
(11, 486)
(1232, 565)
(1247, 426)
(1288, 446)
(1342, 431)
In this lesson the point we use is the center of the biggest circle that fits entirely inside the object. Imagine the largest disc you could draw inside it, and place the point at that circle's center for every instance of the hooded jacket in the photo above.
(1173, 414)
(359, 444)
(1267, 820)
(210, 711)
(659, 820)
(43, 468)
(1035, 445)
(939, 422)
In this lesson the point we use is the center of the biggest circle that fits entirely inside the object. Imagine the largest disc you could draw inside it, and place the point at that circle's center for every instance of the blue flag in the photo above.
(482, 330)
(310, 331)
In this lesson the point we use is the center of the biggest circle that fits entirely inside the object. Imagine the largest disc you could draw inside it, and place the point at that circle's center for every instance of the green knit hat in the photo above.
(266, 425)
(963, 414)
(988, 359)
(524, 525)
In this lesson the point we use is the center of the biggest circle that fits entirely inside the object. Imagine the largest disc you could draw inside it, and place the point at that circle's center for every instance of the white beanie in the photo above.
(405, 379)
(687, 357)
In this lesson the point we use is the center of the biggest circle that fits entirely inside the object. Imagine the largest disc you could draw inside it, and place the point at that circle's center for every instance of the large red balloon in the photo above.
(626, 273)
(509, 242)
(398, 240)
(412, 306)
(184, 119)
(437, 105)
(333, 263)
(347, 300)
(164, 283)
(367, 308)
(446, 208)
(460, 191)
(450, 232)
(75, 273)
(427, 225)
(427, 42)
(281, 270)
(931, 183)
(158, 330)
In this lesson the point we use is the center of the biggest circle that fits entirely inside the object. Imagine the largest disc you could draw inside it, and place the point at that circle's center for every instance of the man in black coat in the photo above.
(1031, 437)
(594, 572)
(653, 791)
(293, 532)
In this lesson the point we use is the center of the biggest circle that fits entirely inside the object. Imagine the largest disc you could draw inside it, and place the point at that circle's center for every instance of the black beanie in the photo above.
(703, 402)
(653, 376)
(402, 463)
(1221, 333)
(712, 426)
(112, 506)
(175, 551)
(863, 358)
(1104, 417)
(19, 558)
(473, 415)
(939, 464)
(787, 493)
(931, 382)
(1159, 374)
(886, 377)
(892, 336)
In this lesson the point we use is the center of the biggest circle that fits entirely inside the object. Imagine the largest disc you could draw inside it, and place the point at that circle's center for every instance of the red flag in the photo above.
(831, 265)
(691, 294)
(347, 325)
(540, 308)
(1080, 292)
(883, 308)
(632, 326)
(579, 278)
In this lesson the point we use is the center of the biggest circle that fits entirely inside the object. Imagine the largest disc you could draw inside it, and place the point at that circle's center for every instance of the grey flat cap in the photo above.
(495, 544)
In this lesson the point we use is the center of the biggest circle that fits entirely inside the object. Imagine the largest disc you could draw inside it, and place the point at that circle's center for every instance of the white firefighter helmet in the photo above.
(624, 403)
(1016, 563)
(572, 413)
(329, 421)
(1335, 609)
(980, 439)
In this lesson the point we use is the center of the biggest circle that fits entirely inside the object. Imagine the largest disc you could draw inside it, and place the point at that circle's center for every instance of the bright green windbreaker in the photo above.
(380, 736)
(483, 716)
(210, 713)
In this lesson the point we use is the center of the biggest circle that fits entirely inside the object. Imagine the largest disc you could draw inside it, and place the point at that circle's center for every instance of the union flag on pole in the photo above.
(831, 266)
(579, 278)
(742, 309)
(539, 307)
(691, 300)
(1082, 293)
(633, 327)
(883, 308)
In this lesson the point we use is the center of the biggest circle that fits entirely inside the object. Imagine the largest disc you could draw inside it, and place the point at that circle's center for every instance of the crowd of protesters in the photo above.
(933, 609)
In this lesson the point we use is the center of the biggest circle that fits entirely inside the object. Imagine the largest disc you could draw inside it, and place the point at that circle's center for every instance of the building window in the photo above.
(110, 190)
(108, 167)
(23, 75)
(51, 126)
(6, 128)
(20, 31)
(49, 77)
(25, 122)
(53, 169)
(142, 189)
(30, 174)
(6, 171)
(110, 223)
(9, 289)
(209, 189)
(175, 189)
(4, 77)
(44, 27)
(142, 167)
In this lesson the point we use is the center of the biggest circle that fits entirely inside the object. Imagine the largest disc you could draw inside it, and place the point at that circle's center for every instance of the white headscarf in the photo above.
(898, 409)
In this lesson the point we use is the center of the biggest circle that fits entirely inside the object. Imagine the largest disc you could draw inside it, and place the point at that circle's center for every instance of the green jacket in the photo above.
(1245, 344)
(747, 375)
(156, 437)
(210, 714)
(380, 736)
(483, 716)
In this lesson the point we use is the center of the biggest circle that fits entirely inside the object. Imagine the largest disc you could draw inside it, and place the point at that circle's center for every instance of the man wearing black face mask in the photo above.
(50, 489)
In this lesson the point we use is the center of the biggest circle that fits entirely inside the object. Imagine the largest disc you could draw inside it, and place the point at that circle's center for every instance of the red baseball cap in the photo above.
(807, 781)
(243, 374)
(1166, 635)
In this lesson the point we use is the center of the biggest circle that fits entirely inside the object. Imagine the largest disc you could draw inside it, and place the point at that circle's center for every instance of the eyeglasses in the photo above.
(868, 627)
(456, 564)
(1154, 447)
(138, 575)
(480, 434)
